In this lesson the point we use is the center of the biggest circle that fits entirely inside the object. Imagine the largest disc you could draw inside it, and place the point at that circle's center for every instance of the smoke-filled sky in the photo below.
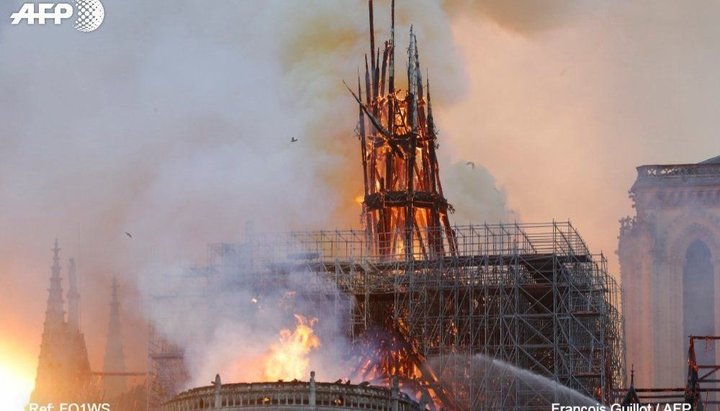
(173, 122)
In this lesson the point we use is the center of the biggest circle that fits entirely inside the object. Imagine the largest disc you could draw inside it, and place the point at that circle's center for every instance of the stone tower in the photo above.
(114, 385)
(63, 373)
(669, 256)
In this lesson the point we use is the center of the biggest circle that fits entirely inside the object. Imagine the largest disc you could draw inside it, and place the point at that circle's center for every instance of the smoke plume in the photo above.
(173, 122)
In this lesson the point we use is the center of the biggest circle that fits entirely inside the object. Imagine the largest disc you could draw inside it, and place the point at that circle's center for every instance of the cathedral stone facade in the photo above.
(669, 256)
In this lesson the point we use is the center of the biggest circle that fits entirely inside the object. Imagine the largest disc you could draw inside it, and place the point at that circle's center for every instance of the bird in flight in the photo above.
(128, 234)
(471, 164)
(293, 139)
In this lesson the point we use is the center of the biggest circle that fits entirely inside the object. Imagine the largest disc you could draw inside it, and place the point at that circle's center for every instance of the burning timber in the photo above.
(423, 298)
(294, 395)
(401, 176)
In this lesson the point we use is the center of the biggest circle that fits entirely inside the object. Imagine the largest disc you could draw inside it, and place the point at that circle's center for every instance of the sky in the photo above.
(173, 123)
(568, 108)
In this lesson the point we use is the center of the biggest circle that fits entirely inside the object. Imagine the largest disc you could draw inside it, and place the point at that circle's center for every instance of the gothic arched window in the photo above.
(699, 298)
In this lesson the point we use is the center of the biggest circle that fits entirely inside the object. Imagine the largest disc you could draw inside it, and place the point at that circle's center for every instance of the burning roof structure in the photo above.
(422, 299)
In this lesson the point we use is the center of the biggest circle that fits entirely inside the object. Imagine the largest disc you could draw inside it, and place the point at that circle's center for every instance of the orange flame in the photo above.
(16, 376)
(288, 357)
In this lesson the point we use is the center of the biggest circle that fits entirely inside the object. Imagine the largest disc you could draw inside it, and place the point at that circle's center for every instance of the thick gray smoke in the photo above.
(173, 123)
(468, 187)
(227, 324)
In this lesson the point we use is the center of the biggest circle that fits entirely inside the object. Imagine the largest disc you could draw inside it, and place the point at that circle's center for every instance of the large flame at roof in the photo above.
(288, 358)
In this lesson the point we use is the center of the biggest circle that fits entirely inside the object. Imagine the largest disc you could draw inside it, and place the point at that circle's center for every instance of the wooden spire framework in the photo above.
(405, 211)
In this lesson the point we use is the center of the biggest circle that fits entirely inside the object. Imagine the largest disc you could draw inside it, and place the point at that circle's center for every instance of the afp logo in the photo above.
(89, 14)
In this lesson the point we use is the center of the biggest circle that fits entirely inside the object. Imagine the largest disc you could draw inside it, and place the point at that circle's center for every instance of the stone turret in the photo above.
(55, 312)
(73, 297)
(63, 373)
(114, 385)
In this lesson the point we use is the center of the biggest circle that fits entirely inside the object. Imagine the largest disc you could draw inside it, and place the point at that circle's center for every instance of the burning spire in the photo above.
(406, 213)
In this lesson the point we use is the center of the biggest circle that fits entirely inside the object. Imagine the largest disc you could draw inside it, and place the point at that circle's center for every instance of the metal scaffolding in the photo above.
(167, 373)
(531, 295)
